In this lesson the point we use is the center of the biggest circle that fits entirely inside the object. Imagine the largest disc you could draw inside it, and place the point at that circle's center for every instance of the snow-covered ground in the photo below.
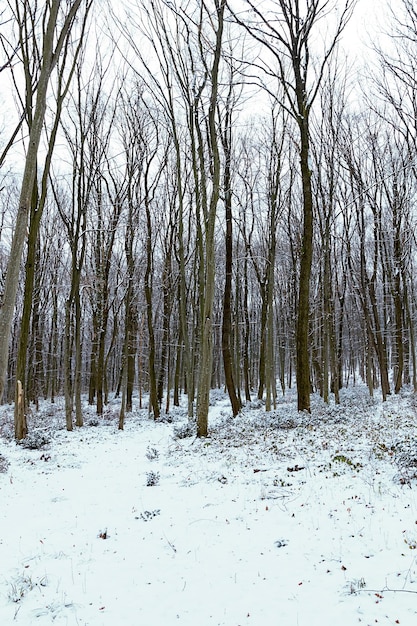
(274, 520)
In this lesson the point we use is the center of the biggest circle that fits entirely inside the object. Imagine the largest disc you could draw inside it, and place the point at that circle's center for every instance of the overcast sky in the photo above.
(367, 21)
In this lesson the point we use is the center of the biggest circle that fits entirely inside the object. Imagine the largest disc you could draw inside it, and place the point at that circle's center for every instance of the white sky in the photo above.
(367, 21)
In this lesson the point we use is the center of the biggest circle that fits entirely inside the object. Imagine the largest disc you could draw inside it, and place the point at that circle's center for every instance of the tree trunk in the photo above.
(166, 317)
(20, 423)
(246, 359)
(206, 352)
(78, 358)
(380, 343)
(68, 390)
(30, 269)
(49, 59)
(302, 329)
(153, 392)
(227, 294)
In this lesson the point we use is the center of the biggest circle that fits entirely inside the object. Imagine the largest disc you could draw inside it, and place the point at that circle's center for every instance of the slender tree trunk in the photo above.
(153, 392)
(302, 330)
(131, 356)
(410, 325)
(246, 357)
(227, 294)
(78, 358)
(263, 337)
(92, 386)
(166, 317)
(178, 359)
(380, 343)
(68, 390)
(398, 298)
(101, 353)
(123, 406)
(206, 352)
(20, 417)
(270, 358)
(49, 59)
(327, 313)
(27, 299)
(36, 374)
(53, 348)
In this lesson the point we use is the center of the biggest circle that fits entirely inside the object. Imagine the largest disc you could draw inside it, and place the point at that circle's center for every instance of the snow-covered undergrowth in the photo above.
(276, 519)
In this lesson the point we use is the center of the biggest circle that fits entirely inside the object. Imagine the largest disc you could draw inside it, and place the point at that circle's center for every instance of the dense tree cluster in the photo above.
(215, 201)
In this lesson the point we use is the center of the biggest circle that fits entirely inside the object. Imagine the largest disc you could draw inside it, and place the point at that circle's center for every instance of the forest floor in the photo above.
(275, 519)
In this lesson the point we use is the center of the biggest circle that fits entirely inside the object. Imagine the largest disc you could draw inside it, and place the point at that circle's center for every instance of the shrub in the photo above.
(166, 418)
(4, 464)
(152, 479)
(35, 440)
(406, 461)
(7, 430)
(148, 515)
(184, 431)
(152, 454)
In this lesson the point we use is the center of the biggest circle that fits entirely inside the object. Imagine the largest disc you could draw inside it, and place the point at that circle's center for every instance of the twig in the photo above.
(384, 590)
(170, 544)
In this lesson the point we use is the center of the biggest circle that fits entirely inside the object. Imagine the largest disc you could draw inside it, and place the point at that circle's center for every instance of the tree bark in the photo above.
(153, 392)
(303, 309)
(206, 352)
(227, 294)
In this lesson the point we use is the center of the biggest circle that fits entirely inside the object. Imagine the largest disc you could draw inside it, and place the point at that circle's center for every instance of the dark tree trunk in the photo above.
(227, 294)
(302, 330)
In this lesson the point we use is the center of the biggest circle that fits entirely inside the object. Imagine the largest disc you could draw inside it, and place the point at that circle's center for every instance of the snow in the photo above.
(274, 520)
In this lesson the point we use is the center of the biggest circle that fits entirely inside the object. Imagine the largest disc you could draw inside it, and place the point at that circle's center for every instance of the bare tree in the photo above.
(365, 245)
(228, 360)
(394, 99)
(54, 35)
(286, 32)
(169, 79)
(39, 197)
(187, 44)
(79, 129)
(328, 181)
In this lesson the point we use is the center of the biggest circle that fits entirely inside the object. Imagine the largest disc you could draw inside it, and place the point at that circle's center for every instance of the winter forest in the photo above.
(205, 194)
(208, 312)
